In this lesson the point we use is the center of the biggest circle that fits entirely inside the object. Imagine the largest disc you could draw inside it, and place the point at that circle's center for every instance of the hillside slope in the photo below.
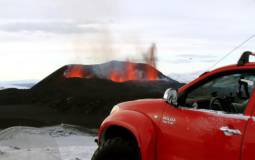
(79, 100)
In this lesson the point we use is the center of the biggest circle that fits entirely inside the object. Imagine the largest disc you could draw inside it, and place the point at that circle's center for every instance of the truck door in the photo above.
(249, 140)
(211, 121)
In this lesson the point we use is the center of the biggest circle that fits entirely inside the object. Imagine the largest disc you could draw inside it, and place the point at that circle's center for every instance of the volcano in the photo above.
(82, 94)
(115, 71)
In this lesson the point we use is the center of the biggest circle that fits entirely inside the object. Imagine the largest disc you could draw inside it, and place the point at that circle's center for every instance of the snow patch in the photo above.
(49, 143)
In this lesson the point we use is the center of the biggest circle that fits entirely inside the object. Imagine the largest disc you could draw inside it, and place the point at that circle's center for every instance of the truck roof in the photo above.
(243, 63)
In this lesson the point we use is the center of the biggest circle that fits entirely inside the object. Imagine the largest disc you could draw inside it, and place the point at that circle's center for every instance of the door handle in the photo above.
(230, 132)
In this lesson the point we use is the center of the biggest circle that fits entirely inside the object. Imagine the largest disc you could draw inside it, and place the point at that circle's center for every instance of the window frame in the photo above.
(183, 95)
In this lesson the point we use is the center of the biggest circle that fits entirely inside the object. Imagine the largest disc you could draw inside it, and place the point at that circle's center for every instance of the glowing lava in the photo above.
(75, 71)
(121, 72)
(128, 73)
(152, 73)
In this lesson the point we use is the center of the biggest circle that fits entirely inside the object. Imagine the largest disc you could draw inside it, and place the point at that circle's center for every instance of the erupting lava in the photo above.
(119, 71)
(75, 71)
(114, 71)
(131, 73)
(152, 73)
(128, 75)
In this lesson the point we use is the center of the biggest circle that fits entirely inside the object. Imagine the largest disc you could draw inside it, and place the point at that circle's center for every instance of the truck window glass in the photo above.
(229, 93)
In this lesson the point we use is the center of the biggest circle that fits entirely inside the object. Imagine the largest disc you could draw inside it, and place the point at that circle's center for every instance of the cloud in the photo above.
(201, 56)
(193, 58)
(57, 27)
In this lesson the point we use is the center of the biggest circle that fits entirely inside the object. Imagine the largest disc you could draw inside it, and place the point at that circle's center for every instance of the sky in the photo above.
(39, 36)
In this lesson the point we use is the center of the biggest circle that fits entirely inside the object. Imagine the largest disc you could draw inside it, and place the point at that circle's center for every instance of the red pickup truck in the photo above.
(212, 118)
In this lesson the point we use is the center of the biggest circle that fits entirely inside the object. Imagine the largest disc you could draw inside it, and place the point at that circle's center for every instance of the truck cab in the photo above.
(212, 117)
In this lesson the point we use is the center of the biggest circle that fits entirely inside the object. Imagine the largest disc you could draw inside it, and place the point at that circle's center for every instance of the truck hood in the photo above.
(152, 108)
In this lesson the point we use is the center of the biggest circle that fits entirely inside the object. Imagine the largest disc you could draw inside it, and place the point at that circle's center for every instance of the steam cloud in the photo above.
(104, 49)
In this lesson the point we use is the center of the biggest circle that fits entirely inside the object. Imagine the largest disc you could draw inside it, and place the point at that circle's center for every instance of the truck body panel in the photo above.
(196, 135)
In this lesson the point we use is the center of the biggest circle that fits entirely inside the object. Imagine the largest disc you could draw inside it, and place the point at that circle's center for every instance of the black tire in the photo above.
(116, 149)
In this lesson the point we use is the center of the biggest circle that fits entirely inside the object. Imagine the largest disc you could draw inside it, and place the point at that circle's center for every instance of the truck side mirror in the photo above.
(171, 97)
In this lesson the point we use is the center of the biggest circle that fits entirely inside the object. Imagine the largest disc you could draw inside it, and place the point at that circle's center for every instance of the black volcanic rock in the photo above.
(81, 100)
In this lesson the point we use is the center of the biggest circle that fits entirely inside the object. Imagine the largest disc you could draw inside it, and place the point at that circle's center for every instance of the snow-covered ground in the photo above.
(51, 143)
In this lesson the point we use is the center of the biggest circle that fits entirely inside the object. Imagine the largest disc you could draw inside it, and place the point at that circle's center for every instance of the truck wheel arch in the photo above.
(118, 131)
(139, 128)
